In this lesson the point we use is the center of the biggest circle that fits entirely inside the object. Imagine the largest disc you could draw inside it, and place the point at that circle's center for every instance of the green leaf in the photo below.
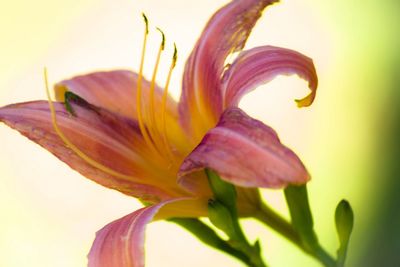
(344, 219)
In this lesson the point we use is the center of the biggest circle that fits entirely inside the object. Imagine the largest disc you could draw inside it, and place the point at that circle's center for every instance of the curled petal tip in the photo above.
(306, 101)
(260, 65)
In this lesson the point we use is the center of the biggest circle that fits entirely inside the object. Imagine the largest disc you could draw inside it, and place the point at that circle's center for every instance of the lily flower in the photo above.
(128, 134)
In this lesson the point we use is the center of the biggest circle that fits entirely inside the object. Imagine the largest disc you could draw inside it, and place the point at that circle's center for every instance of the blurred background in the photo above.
(348, 138)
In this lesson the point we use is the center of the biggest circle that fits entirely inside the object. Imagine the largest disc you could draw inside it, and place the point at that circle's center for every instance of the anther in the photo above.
(175, 56)
(146, 21)
(163, 38)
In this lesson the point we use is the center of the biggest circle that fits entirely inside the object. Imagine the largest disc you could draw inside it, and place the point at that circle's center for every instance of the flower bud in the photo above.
(222, 218)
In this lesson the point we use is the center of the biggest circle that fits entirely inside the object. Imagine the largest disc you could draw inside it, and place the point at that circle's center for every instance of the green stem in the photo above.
(246, 247)
(341, 256)
(324, 257)
(208, 236)
(273, 220)
(222, 212)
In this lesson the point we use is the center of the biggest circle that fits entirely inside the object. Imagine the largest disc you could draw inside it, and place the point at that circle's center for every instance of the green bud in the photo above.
(221, 217)
(223, 191)
(344, 219)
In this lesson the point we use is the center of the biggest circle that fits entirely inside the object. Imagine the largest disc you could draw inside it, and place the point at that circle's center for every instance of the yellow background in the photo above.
(49, 214)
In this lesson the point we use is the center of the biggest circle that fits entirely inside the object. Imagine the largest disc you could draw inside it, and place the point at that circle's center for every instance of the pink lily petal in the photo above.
(116, 91)
(245, 152)
(121, 243)
(262, 64)
(107, 138)
(225, 33)
(113, 90)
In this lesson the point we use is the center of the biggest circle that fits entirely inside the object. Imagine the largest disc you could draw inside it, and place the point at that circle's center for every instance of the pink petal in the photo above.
(113, 90)
(262, 64)
(245, 152)
(116, 91)
(121, 243)
(225, 33)
(107, 138)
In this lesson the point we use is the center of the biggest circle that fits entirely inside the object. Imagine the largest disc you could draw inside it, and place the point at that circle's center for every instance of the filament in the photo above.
(151, 112)
(142, 127)
(164, 105)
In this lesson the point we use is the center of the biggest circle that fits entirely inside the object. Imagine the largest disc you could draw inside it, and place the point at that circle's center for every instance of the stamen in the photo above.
(77, 151)
(142, 127)
(164, 105)
(152, 125)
